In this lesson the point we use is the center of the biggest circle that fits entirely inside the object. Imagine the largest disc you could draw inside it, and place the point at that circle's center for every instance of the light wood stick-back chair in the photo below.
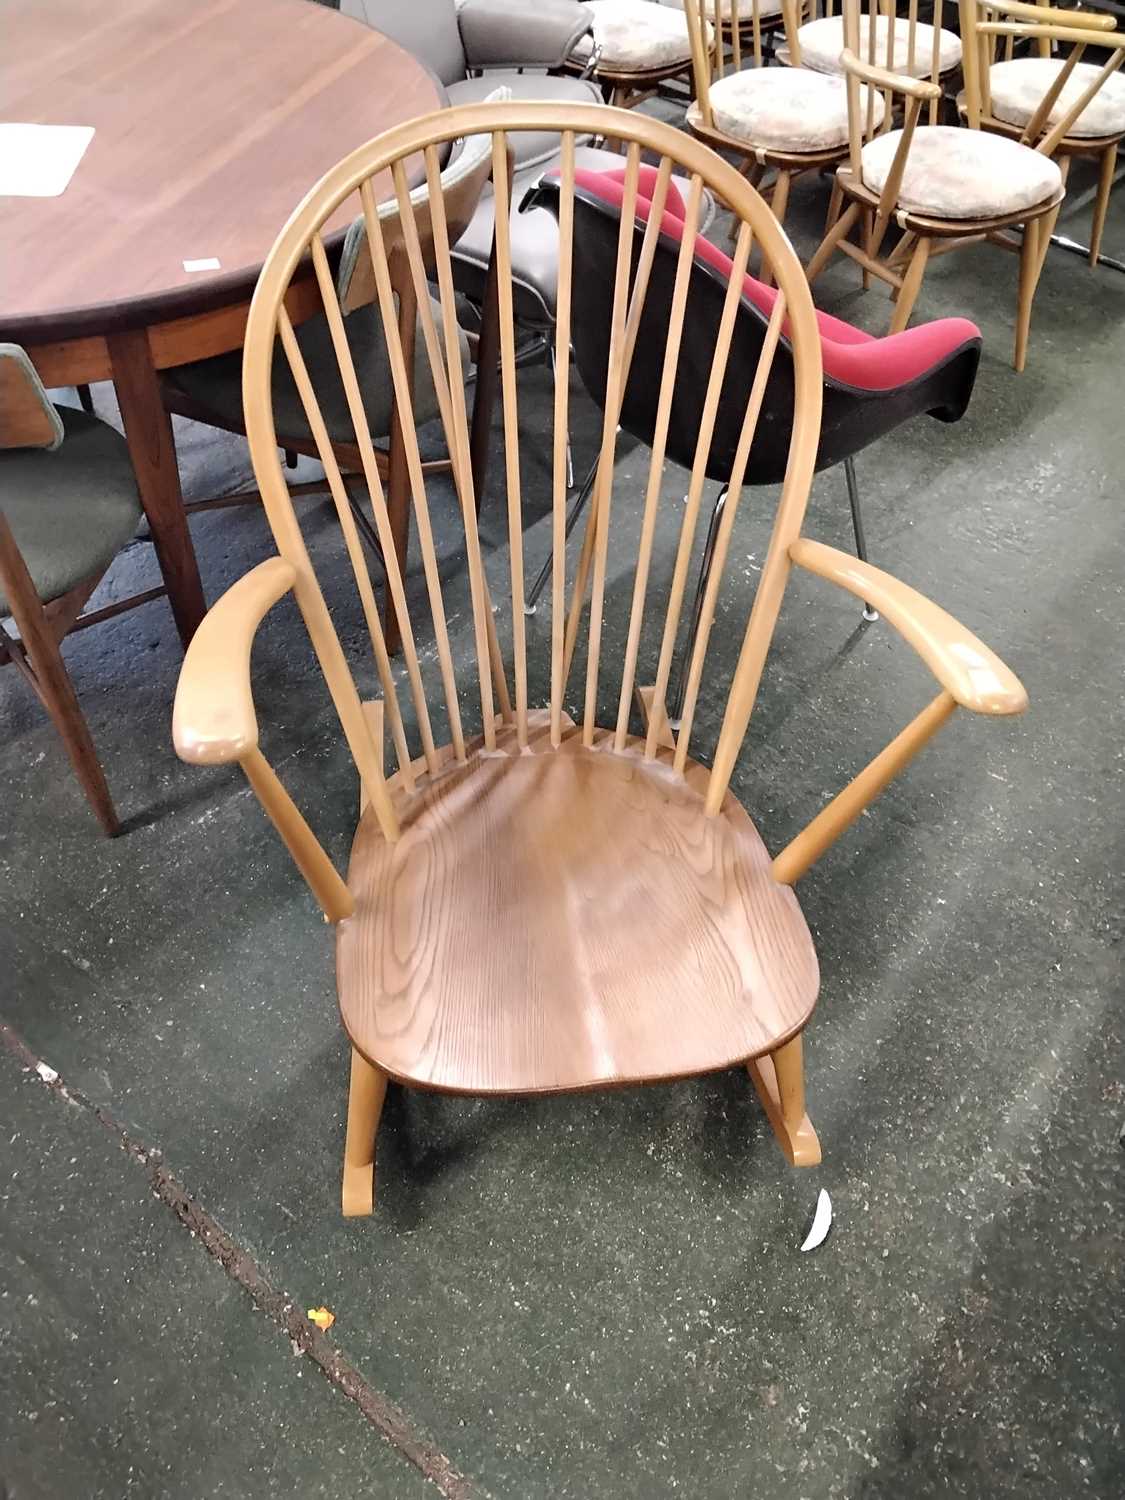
(544, 904)
(942, 186)
(780, 122)
(891, 35)
(1053, 101)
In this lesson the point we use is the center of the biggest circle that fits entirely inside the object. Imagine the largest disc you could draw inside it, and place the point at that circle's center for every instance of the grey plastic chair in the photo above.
(68, 504)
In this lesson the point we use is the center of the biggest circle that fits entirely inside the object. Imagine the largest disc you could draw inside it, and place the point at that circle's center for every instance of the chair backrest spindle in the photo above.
(636, 258)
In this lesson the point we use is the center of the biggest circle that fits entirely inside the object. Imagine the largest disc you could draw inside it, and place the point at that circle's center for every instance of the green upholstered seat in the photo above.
(72, 508)
(217, 383)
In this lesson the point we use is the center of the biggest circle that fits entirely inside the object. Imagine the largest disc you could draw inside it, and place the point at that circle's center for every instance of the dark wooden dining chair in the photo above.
(537, 903)
(68, 504)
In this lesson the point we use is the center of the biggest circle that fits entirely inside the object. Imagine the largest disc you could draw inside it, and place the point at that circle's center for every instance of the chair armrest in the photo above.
(513, 34)
(214, 720)
(973, 675)
(882, 78)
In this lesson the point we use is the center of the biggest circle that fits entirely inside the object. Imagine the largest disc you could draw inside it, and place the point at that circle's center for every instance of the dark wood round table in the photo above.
(212, 119)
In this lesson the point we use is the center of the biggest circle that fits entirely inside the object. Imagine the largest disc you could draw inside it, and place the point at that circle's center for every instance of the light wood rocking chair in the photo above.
(1030, 98)
(545, 905)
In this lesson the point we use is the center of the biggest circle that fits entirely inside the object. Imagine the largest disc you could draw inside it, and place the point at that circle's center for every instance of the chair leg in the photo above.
(868, 217)
(44, 659)
(857, 526)
(779, 1079)
(1107, 166)
(85, 399)
(705, 564)
(1031, 264)
(366, 1093)
(779, 202)
(828, 244)
(835, 203)
(911, 283)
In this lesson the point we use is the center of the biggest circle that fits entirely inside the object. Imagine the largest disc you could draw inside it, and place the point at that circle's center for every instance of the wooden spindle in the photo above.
(726, 525)
(709, 413)
(482, 605)
(562, 427)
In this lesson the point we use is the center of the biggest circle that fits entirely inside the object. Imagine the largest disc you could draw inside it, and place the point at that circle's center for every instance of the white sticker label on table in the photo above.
(210, 263)
(38, 161)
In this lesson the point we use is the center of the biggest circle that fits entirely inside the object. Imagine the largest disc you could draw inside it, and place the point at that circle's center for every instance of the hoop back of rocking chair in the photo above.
(420, 706)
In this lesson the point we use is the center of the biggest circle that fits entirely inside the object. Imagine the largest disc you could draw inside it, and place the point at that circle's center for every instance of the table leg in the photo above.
(148, 432)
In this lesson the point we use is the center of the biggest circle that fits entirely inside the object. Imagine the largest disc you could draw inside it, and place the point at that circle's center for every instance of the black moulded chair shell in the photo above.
(871, 385)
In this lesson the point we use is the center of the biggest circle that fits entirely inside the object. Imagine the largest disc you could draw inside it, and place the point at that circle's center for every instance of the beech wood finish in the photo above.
(210, 119)
(923, 236)
(542, 902)
(1064, 34)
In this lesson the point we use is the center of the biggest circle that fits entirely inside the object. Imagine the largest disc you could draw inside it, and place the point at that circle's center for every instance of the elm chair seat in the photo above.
(635, 36)
(71, 509)
(1017, 87)
(217, 383)
(784, 109)
(952, 173)
(821, 43)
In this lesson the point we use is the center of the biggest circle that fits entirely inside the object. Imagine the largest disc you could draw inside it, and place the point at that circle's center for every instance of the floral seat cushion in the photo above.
(636, 36)
(822, 42)
(1018, 86)
(784, 109)
(954, 173)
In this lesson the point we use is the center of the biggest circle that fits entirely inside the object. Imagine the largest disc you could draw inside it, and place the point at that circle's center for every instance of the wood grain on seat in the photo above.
(551, 921)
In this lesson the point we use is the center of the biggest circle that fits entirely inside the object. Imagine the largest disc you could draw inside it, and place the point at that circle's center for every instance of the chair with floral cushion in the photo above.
(943, 186)
(895, 40)
(1009, 94)
(786, 120)
(633, 47)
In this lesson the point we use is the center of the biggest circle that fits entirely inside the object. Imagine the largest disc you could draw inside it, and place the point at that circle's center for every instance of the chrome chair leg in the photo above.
(677, 710)
(580, 502)
(857, 526)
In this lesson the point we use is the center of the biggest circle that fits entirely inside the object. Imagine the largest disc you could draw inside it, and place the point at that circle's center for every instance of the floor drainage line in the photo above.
(382, 1413)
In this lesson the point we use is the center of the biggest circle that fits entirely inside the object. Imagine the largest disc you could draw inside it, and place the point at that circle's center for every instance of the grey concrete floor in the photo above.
(603, 1295)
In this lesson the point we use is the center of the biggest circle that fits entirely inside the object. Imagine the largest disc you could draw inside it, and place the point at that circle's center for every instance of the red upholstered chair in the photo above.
(871, 385)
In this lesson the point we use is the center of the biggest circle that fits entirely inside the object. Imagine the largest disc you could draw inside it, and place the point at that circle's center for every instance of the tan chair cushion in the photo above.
(767, 9)
(955, 173)
(636, 35)
(1018, 86)
(784, 109)
(822, 42)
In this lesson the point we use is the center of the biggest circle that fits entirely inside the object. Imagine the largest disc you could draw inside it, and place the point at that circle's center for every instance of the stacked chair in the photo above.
(1029, 98)
(537, 903)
